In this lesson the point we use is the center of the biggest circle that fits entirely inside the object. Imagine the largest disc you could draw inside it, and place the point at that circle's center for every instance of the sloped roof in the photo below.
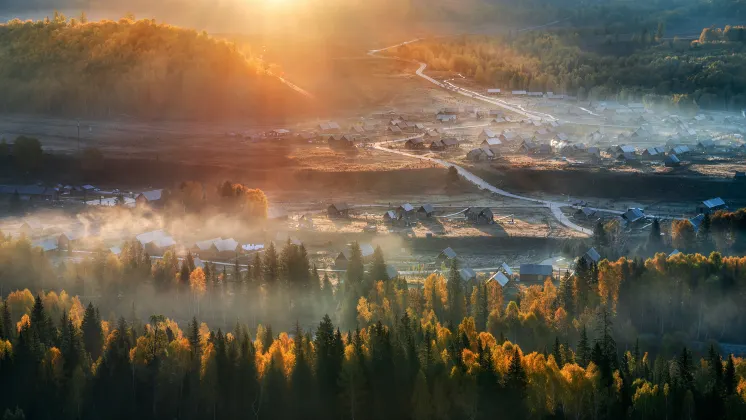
(450, 141)
(674, 252)
(492, 141)
(46, 244)
(672, 159)
(489, 133)
(340, 206)
(507, 269)
(163, 242)
(206, 244)
(626, 149)
(448, 253)
(467, 273)
(500, 278)
(696, 221)
(427, 208)
(536, 269)
(148, 237)
(593, 255)
(153, 195)
(633, 214)
(229, 244)
(714, 202)
(406, 207)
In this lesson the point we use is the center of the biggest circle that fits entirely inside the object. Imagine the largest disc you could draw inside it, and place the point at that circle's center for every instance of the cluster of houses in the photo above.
(530, 94)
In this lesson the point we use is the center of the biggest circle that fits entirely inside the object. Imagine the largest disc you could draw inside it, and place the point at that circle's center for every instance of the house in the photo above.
(536, 94)
(561, 137)
(447, 254)
(500, 278)
(343, 258)
(652, 152)
(437, 146)
(681, 150)
(480, 154)
(587, 212)
(205, 248)
(338, 210)
(696, 222)
(155, 242)
(393, 130)
(498, 120)
(633, 215)
(227, 248)
(405, 211)
(527, 147)
(48, 244)
(390, 216)
(519, 93)
(712, 205)
(150, 198)
(450, 143)
(329, 127)
(535, 273)
(480, 215)
(671, 161)
(491, 142)
(627, 158)
(71, 237)
(444, 118)
(487, 134)
(429, 135)
(705, 145)
(31, 228)
(341, 142)
(426, 210)
(415, 143)
(306, 136)
(509, 136)
(592, 256)
(494, 92)
(674, 253)
(467, 274)
(278, 132)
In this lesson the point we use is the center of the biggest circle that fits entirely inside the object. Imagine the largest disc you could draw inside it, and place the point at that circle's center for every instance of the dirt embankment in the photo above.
(613, 185)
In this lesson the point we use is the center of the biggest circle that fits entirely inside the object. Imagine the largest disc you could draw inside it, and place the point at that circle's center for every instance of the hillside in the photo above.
(138, 68)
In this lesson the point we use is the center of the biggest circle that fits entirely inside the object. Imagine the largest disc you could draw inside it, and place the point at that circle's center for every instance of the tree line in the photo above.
(596, 65)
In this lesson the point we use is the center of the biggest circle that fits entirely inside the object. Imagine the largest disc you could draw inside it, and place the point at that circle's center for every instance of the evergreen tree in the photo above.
(655, 240)
(355, 269)
(257, 269)
(195, 342)
(600, 238)
(557, 352)
(7, 321)
(271, 265)
(41, 324)
(455, 288)
(516, 384)
(686, 375)
(730, 381)
(301, 381)
(93, 338)
(329, 357)
(584, 349)
(190, 261)
(184, 273)
(378, 267)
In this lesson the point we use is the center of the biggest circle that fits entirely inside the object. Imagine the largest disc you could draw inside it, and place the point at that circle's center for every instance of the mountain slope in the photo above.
(132, 67)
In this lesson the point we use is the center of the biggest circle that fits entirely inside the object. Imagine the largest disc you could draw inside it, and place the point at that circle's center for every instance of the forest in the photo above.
(599, 64)
(74, 67)
(166, 338)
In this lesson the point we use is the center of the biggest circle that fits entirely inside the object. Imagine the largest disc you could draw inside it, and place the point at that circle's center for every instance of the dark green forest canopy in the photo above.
(598, 65)
(137, 68)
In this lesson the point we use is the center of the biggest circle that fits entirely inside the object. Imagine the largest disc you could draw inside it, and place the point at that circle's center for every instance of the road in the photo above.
(554, 206)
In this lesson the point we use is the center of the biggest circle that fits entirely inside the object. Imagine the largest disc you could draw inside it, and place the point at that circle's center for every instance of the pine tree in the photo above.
(557, 352)
(355, 269)
(7, 321)
(301, 380)
(600, 238)
(194, 339)
(378, 267)
(655, 241)
(184, 273)
(584, 349)
(686, 374)
(41, 324)
(455, 294)
(257, 269)
(730, 381)
(271, 265)
(93, 338)
(190, 261)
(516, 384)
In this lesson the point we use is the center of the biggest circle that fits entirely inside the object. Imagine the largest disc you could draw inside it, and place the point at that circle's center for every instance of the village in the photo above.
(507, 232)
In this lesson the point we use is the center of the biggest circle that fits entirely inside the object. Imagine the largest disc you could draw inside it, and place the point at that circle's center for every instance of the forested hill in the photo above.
(138, 68)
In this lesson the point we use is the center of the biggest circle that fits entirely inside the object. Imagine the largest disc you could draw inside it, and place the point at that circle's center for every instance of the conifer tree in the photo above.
(584, 349)
(93, 339)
